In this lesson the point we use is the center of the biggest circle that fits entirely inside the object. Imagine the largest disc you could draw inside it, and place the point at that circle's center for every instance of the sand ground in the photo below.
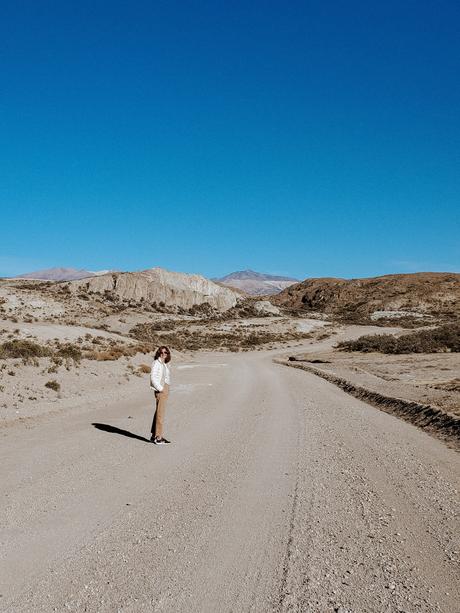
(279, 493)
(431, 379)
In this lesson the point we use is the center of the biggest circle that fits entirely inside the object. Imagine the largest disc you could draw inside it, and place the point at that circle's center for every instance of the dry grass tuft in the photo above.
(117, 351)
(69, 351)
(53, 385)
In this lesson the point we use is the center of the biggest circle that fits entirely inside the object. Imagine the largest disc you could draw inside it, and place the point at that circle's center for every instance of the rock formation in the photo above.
(160, 286)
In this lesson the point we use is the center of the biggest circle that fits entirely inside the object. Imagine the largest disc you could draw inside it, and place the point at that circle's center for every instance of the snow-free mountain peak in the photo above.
(256, 283)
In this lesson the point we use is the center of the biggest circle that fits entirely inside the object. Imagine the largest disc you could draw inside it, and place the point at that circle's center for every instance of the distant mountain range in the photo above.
(246, 281)
(61, 274)
(256, 283)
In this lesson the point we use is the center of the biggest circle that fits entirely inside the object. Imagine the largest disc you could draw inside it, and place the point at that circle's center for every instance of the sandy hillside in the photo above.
(419, 296)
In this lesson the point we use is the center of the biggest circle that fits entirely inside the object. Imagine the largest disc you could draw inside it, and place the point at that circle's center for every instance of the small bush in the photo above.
(201, 309)
(144, 368)
(23, 349)
(70, 351)
(53, 385)
(166, 324)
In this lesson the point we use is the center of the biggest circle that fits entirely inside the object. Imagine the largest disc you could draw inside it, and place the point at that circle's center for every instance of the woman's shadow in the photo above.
(114, 430)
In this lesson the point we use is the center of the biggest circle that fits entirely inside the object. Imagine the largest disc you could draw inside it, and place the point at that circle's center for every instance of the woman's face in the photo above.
(163, 355)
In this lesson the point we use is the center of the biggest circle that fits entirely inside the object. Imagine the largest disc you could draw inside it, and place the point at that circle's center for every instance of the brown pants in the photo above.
(158, 418)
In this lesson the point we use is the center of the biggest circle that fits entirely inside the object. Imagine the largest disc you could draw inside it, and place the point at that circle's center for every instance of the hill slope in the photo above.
(426, 293)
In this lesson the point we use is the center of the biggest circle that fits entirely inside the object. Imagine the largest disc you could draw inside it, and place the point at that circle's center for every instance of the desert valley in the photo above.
(62, 340)
(289, 397)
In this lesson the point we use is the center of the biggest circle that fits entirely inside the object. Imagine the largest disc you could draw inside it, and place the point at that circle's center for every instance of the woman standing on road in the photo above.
(160, 378)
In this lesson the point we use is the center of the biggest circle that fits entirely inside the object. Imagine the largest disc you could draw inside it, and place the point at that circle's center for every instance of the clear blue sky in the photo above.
(305, 138)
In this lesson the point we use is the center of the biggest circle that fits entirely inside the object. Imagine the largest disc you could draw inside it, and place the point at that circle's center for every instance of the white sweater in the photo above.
(159, 375)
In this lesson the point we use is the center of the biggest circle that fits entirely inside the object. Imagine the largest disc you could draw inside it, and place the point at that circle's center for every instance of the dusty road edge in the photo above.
(432, 420)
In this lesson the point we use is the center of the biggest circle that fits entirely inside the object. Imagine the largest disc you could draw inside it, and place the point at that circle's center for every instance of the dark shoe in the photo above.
(165, 440)
(156, 440)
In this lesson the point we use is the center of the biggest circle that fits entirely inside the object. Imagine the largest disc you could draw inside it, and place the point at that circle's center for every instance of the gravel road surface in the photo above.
(279, 493)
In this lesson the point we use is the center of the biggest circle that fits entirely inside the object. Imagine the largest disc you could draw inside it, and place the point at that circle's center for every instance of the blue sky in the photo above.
(300, 138)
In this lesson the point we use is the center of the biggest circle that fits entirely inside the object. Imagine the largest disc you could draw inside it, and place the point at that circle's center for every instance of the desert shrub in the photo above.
(166, 324)
(201, 309)
(53, 385)
(243, 310)
(202, 338)
(402, 322)
(259, 338)
(144, 368)
(444, 338)
(23, 349)
(70, 351)
(142, 348)
(112, 354)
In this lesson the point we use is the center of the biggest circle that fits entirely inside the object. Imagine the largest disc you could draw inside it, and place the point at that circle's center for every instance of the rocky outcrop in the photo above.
(157, 285)
(264, 307)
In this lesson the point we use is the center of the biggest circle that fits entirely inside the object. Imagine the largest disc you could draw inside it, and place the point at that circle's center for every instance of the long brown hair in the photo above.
(158, 353)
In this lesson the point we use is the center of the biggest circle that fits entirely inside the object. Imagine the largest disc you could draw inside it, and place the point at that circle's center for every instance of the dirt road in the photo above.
(279, 493)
